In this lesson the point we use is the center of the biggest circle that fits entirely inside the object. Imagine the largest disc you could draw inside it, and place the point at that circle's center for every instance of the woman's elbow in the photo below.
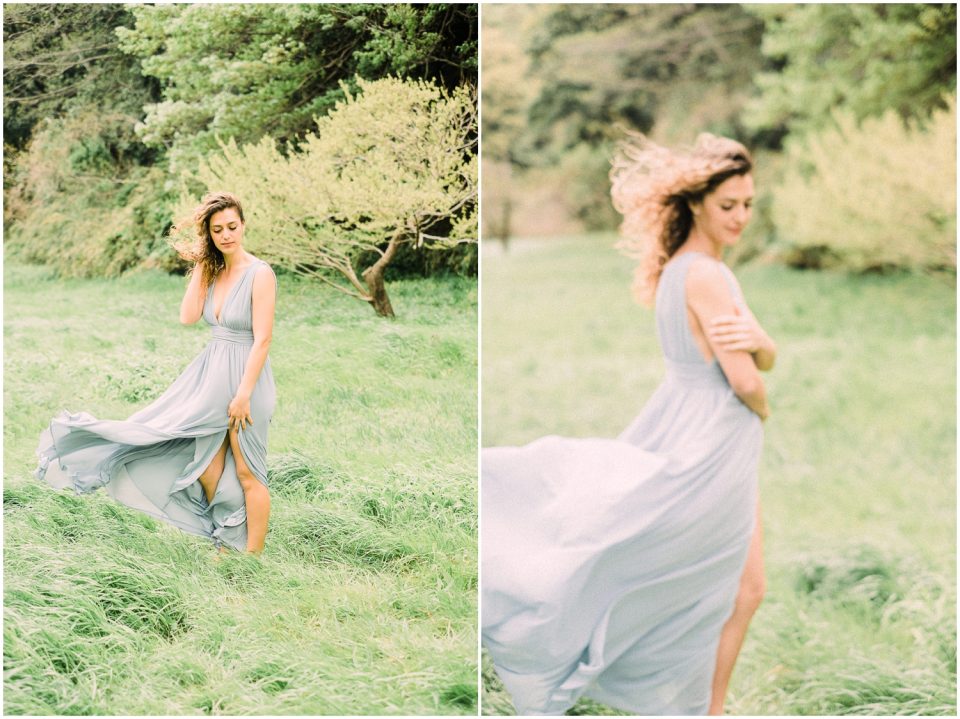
(749, 386)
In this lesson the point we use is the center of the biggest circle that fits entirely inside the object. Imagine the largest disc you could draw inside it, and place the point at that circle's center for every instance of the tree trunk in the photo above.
(505, 218)
(373, 277)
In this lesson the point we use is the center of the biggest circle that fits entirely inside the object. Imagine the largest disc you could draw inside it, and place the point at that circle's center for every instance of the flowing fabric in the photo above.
(609, 566)
(152, 460)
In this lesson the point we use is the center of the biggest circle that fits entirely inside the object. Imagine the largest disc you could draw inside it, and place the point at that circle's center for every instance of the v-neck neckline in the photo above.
(226, 298)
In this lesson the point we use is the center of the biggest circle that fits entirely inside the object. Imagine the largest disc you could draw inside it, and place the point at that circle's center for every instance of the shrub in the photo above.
(873, 196)
(84, 203)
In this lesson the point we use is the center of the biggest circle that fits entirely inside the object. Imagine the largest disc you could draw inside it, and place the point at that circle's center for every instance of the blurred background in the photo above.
(849, 109)
(849, 264)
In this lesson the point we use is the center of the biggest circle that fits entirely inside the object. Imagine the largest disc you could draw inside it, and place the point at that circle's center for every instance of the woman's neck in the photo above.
(698, 242)
(232, 261)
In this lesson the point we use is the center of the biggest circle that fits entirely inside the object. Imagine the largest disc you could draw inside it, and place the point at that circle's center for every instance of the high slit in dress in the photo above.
(152, 460)
(609, 566)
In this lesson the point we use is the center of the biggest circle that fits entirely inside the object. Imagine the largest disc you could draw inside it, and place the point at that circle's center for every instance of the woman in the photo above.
(196, 456)
(627, 570)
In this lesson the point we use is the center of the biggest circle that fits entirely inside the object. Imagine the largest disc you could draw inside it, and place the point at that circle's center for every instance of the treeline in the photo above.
(849, 109)
(112, 111)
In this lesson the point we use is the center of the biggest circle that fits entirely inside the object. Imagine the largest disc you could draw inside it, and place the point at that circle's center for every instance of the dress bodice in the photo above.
(683, 357)
(236, 314)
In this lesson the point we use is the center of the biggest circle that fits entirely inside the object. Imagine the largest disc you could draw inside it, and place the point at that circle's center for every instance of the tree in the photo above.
(247, 70)
(587, 71)
(861, 58)
(607, 65)
(59, 58)
(391, 165)
(508, 91)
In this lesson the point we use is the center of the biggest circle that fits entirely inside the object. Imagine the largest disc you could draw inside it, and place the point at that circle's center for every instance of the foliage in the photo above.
(508, 90)
(604, 66)
(393, 165)
(863, 58)
(857, 476)
(562, 81)
(184, 75)
(364, 602)
(508, 85)
(60, 58)
(81, 200)
(884, 194)
(245, 71)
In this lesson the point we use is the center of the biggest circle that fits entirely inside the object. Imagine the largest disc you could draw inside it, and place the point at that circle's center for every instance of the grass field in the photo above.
(364, 601)
(857, 478)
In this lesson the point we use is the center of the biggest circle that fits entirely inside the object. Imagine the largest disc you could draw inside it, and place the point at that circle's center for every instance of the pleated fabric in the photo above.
(609, 566)
(152, 460)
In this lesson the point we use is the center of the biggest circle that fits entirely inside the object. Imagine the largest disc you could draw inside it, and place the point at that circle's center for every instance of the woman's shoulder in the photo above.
(695, 266)
(264, 277)
(261, 267)
(706, 274)
(709, 277)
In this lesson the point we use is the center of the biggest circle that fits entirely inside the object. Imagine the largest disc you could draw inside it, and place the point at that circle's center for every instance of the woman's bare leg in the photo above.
(255, 496)
(210, 477)
(752, 588)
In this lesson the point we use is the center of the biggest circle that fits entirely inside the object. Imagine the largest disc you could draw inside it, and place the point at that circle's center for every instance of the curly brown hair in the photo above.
(653, 188)
(197, 246)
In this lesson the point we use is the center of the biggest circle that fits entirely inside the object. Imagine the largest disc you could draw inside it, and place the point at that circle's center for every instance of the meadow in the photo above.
(857, 478)
(364, 601)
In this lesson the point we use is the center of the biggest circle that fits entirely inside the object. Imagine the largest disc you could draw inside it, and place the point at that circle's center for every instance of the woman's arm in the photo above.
(264, 301)
(741, 331)
(191, 307)
(709, 297)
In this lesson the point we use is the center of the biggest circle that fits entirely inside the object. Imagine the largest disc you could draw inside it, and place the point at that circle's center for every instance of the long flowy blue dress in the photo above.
(609, 566)
(152, 460)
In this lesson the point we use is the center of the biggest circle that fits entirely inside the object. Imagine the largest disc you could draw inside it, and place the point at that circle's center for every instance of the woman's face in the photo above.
(723, 214)
(226, 229)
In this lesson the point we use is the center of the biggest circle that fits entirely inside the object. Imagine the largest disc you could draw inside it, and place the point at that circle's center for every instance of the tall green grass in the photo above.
(364, 601)
(857, 478)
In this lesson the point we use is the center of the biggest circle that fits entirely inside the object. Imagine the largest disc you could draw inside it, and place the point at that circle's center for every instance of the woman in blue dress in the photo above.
(627, 569)
(196, 456)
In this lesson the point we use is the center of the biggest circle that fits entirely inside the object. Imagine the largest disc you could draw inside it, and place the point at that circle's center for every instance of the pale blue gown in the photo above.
(152, 460)
(609, 566)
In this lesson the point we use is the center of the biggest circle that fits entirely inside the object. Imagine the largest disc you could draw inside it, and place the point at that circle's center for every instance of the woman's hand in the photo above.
(739, 332)
(238, 413)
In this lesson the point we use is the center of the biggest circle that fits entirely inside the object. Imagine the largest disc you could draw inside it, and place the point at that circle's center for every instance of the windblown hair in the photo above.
(195, 243)
(653, 186)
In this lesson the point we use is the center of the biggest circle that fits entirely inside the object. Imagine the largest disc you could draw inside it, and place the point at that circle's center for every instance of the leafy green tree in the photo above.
(244, 71)
(395, 164)
(608, 65)
(508, 91)
(862, 58)
(64, 57)
(585, 71)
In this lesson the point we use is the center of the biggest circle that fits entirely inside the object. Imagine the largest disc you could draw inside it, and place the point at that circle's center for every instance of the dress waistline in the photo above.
(696, 373)
(225, 334)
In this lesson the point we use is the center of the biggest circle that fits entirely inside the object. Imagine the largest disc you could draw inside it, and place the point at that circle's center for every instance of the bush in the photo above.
(83, 202)
(872, 197)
